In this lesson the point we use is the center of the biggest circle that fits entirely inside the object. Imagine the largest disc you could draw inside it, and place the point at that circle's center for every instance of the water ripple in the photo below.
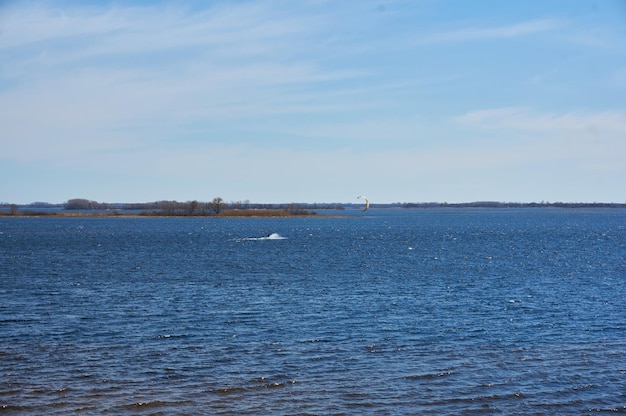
(514, 313)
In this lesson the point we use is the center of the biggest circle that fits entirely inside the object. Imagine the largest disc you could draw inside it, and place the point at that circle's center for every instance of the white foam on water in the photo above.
(272, 236)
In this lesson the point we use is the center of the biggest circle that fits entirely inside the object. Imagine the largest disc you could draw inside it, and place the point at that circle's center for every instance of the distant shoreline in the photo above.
(29, 212)
(195, 208)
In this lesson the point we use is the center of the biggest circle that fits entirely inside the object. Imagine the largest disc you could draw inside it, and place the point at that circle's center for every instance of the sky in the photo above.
(274, 101)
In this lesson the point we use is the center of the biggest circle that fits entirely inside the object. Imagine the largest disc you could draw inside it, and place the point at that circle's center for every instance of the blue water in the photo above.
(467, 311)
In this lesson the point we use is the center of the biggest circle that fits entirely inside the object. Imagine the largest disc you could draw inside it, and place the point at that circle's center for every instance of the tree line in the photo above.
(168, 208)
(218, 206)
(188, 208)
(495, 204)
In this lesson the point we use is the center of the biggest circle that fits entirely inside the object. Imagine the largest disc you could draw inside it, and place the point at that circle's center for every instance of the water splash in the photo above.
(272, 236)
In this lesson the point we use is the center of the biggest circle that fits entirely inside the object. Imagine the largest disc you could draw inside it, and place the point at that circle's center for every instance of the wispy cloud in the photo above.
(594, 139)
(316, 88)
(146, 28)
(522, 119)
(137, 37)
(82, 73)
(468, 34)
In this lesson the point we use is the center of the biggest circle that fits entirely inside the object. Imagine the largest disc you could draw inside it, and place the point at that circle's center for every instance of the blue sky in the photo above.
(313, 100)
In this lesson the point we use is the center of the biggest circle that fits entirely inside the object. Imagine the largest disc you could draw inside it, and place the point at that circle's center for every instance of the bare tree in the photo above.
(217, 204)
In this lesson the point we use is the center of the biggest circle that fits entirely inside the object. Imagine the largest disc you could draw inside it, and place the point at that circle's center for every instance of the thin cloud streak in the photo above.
(520, 119)
(470, 34)
(249, 30)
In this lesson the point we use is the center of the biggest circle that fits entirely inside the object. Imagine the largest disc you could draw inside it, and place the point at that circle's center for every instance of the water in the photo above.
(397, 312)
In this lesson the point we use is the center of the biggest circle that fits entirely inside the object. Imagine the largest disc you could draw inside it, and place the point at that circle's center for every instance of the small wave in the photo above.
(427, 376)
(230, 390)
(14, 408)
(607, 410)
(258, 384)
(154, 404)
(269, 386)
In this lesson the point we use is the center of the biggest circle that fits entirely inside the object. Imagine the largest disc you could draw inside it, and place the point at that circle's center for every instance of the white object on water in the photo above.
(272, 236)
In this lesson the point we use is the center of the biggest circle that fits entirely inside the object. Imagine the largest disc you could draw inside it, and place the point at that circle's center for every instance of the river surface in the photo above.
(442, 311)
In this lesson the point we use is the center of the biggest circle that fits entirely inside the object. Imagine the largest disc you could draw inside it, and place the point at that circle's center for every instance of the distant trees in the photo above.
(217, 206)
(167, 207)
(180, 209)
(239, 204)
(495, 204)
(192, 207)
(85, 204)
(296, 209)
